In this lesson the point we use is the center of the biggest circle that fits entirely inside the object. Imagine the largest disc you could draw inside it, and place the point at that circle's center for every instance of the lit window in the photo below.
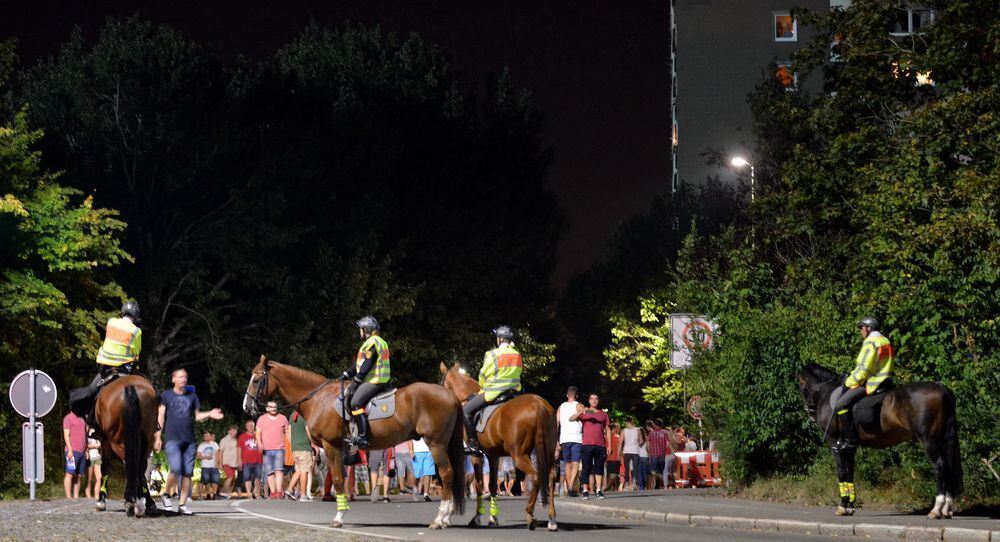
(785, 27)
(907, 21)
(785, 76)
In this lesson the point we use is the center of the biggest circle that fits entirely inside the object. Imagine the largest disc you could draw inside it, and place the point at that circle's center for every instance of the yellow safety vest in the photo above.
(380, 372)
(874, 364)
(122, 343)
(501, 371)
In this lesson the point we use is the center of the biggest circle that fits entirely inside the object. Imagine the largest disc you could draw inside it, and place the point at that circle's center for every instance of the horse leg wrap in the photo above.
(494, 507)
(342, 502)
(480, 506)
(847, 494)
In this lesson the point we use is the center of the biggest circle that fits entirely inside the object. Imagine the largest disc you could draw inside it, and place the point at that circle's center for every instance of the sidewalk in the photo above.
(692, 507)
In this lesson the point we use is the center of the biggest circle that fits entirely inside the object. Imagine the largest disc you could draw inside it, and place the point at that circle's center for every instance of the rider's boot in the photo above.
(361, 420)
(848, 432)
(471, 437)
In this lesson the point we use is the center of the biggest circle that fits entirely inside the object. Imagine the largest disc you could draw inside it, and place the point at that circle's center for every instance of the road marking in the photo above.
(236, 505)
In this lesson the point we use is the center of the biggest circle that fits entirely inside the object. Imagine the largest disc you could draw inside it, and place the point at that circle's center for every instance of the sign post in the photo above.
(33, 395)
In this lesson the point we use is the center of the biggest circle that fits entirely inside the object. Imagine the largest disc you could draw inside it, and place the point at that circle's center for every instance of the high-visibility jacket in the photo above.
(501, 371)
(379, 374)
(874, 363)
(122, 343)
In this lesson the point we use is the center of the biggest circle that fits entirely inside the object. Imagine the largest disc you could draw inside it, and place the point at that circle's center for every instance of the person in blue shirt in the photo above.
(179, 410)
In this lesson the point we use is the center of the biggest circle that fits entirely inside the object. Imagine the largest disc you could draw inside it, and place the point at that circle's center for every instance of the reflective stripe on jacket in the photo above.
(501, 371)
(379, 374)
(874, 363)
(122, 343)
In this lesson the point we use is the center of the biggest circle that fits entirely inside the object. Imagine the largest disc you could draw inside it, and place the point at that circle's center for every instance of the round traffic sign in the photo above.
(45, 393)
(694, 407)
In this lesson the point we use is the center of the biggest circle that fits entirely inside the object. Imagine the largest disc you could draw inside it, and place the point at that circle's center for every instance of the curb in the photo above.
(860, 530)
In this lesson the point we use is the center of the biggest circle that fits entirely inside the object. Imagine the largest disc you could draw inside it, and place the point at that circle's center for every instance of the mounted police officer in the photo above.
(122, 344)
(500, 373)
(872, 372)
(369, 375)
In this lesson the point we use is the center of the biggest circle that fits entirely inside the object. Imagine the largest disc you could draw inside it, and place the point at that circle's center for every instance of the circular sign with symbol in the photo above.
(45, 393)
(694, 407)
(697, 334)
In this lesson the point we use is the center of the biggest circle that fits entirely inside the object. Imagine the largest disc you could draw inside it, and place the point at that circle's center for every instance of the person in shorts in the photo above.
(570, 438)
(74, 453)
(302, 455)
(229, 458)
(207, 452)
(272, 429)
(179, 410)
(423, 469)
(404, 466)
(251, 459)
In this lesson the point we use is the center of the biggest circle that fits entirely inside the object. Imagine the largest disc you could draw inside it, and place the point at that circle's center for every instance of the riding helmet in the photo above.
(368, 322)
(870, 322)
(504, 332)
(130, 308)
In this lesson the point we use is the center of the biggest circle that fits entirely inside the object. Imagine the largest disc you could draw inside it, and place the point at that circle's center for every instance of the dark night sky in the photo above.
(597, 69)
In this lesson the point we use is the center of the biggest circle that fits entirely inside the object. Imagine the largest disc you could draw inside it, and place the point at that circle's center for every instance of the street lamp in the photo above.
(740, 162)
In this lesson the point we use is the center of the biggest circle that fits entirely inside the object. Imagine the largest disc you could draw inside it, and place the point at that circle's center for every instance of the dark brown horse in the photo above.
(518, 427)
(125, 414)
(422, 410)
(923, 411)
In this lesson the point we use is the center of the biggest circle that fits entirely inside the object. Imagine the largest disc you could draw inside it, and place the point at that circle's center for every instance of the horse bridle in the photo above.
(262, 385)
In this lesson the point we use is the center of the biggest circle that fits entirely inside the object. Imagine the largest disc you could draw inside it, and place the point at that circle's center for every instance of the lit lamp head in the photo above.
(739, 161)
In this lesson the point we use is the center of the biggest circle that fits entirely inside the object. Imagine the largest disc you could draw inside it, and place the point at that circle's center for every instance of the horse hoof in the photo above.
(553, 526)
(436, 525)
(494, 521)
(101, 506)
(337, 524)
(129, 509)
(842, 511)
(532, 524)
(947, 515)
(934, 515)
(474, 523)
(140, 510)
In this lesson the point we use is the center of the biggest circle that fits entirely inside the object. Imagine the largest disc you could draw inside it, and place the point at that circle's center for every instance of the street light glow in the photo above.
(739, 161)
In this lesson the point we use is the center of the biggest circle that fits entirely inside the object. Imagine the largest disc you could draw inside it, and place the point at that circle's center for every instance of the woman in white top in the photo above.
(632, 438)
(643, 464)
(94, 470)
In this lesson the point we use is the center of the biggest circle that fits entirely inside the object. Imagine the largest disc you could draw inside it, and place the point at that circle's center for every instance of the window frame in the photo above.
(911, 11)
(774, 27)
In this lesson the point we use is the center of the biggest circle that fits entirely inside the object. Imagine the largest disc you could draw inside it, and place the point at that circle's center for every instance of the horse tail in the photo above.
(135, 449)
(545, 445)
(952, 452)
(456, 456)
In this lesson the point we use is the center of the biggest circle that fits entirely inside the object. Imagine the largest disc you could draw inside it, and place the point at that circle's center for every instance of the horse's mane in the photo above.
(820, 373)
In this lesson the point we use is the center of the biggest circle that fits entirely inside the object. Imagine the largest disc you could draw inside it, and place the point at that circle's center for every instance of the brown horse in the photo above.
(922, 411)
(422, 410)
(524, 424)
(125, 414)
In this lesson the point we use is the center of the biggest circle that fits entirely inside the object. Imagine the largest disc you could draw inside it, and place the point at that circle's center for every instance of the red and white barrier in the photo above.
(697, 469)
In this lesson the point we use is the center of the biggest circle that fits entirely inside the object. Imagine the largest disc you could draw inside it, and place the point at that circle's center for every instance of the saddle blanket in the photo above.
(483, 416)
(380, 407)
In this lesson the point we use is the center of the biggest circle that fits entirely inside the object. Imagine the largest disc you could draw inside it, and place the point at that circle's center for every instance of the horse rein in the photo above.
(262, 383)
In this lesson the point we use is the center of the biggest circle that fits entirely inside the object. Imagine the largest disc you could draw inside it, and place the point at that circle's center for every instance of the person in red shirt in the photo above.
(596, 437)
(658, 448)
(75, 442)
(251, 458)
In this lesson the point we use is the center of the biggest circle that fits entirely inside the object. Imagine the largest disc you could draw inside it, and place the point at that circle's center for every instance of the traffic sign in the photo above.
(33, 458)
(694, 407)
(45, 393)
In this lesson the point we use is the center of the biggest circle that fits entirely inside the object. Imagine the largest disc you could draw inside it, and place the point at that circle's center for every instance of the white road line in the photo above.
(236, 505)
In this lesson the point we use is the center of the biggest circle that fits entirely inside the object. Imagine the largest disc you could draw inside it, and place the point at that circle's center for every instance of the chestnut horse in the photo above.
(524, 424)
(125, 414)
(922, 411)
(422, 410)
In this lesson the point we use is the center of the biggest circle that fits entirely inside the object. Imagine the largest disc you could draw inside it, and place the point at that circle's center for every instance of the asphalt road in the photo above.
(404, 519)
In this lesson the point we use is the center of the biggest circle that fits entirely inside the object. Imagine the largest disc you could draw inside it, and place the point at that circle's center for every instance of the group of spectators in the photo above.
(597, 454)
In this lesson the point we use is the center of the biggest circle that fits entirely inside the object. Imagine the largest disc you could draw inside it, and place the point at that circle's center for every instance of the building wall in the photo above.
(723, 48)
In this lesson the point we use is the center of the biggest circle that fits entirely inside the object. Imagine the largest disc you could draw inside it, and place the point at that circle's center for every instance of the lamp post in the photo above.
(740, 162)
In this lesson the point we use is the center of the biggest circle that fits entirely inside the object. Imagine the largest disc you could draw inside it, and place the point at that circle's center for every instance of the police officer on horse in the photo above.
(500, 372)
(369, 376)
(872, 372)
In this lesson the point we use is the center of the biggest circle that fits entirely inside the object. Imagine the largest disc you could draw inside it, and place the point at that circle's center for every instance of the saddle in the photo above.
(867, 411)
(483, 416)
(381, 406)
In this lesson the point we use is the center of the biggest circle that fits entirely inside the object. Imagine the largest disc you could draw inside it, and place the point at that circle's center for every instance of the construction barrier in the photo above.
(697, 469)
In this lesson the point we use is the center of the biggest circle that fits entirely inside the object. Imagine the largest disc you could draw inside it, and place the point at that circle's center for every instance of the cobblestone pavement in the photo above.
(63, 519)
